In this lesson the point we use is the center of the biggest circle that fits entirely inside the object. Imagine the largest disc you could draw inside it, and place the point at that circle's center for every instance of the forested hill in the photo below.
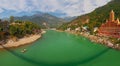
(95, 18)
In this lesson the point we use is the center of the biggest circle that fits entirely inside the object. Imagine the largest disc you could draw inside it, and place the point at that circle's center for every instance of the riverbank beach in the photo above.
(23, 41)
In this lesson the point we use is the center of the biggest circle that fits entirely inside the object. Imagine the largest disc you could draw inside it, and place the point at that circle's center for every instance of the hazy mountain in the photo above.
(7, 13)
(68, 19)
(40, 18)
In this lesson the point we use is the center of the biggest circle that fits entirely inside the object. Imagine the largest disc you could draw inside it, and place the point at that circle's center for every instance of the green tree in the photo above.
(24, 28)
(11, 19)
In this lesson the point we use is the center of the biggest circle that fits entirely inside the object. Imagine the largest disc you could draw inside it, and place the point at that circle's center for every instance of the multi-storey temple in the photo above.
(111, 27)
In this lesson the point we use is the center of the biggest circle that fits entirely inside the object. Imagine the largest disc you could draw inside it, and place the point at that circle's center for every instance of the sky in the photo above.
(60, 8)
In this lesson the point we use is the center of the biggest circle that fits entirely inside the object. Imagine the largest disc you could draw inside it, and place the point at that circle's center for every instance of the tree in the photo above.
(24, 28)
(11, 19)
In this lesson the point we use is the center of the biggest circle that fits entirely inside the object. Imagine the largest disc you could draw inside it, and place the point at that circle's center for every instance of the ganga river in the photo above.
(60, 49)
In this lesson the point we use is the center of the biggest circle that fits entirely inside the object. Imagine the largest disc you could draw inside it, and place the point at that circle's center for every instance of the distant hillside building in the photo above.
(111, 27)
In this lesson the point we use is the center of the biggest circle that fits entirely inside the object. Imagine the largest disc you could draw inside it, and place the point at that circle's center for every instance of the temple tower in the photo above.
(112, 17)
(118, 22)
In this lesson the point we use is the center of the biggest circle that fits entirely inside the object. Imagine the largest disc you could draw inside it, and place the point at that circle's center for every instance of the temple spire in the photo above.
(112, 17)
(118, 22)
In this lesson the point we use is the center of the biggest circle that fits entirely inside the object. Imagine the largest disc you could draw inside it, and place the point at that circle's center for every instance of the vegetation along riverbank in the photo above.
(17, 33)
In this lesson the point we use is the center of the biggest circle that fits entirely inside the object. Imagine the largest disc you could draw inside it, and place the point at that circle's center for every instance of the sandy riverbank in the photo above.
(22, 41)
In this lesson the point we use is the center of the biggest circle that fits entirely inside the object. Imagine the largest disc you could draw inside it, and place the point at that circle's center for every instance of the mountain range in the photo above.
(41, 18)
(37, 17)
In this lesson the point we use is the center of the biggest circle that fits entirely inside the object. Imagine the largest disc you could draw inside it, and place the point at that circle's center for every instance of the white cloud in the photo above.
(70, 7)
(1, 10)
(16, 5)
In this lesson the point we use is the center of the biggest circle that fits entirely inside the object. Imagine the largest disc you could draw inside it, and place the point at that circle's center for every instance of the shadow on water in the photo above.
(23, 57)
(37, 63)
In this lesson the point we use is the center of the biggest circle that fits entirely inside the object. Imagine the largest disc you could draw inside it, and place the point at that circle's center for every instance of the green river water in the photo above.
(60, 49)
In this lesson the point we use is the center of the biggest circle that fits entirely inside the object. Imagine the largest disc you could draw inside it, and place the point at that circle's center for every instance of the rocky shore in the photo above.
(97, 39)
(102, 40)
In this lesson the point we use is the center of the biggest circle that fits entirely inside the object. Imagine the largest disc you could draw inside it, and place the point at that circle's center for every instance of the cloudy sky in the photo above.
(56, 7)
